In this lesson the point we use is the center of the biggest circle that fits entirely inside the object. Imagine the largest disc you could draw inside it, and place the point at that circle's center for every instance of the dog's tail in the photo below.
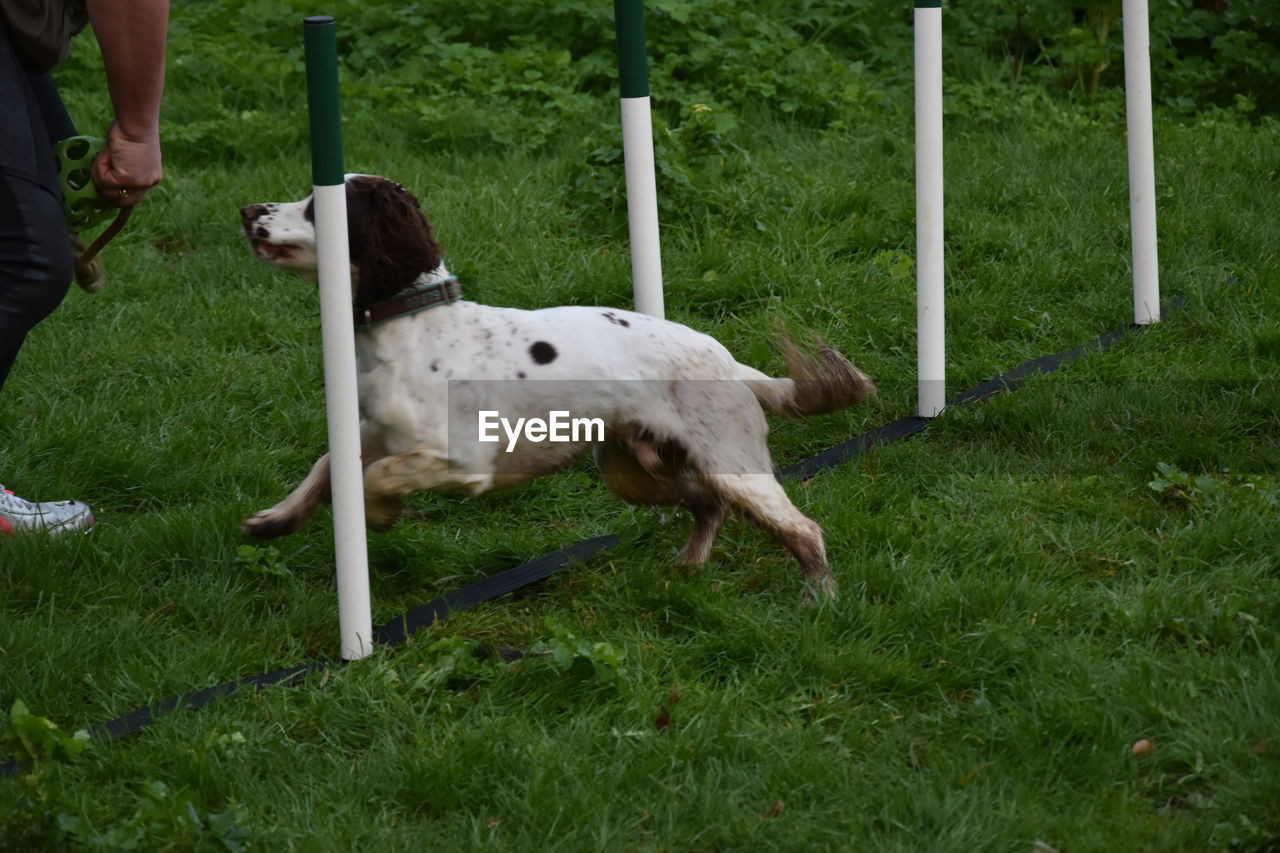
(820, 383)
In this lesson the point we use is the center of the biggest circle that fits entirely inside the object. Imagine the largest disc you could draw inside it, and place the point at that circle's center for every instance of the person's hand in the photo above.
(128, 168)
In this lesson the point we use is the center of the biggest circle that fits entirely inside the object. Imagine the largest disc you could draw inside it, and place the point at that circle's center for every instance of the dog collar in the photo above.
(411, 300)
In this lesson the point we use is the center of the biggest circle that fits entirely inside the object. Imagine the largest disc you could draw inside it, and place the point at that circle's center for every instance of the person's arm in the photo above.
(132, 35)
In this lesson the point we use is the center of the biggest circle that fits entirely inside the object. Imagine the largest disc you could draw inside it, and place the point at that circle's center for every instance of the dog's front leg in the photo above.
(392, 477)
(294, 511)
(381, 508)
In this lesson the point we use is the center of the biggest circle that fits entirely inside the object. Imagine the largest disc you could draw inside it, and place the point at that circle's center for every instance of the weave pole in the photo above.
(931, 370)
(637, 153)
(1142, 162)
(355, 622)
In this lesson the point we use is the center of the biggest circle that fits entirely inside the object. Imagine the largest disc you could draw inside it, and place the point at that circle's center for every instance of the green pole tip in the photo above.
(320, 38)
(633, 63)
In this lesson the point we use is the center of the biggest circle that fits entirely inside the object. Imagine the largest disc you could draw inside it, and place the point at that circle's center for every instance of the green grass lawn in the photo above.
(1019, 603)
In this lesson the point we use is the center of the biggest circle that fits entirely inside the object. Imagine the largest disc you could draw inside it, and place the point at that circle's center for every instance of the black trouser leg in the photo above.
(35, 254)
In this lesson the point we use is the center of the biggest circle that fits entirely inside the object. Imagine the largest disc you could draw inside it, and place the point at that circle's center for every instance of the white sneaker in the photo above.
(55, 517)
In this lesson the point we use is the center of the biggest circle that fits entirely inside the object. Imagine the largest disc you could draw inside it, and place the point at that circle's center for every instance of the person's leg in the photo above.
(35, 262)
(35, 254)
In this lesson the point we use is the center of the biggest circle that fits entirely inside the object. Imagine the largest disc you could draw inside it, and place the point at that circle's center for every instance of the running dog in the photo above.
(681, 419)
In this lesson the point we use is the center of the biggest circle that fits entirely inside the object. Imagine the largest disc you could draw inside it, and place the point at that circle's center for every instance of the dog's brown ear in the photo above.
(391, 241)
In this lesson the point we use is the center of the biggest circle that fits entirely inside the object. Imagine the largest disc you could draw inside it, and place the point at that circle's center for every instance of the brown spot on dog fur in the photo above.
(542, 352)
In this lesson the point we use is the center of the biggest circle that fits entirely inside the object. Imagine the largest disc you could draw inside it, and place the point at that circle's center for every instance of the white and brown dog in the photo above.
(681, 419)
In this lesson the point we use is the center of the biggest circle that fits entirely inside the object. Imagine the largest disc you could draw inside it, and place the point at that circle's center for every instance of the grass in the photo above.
(1019, 605)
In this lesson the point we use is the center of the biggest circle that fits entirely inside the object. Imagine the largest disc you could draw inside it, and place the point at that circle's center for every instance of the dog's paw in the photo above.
(823, 590)
(381, 515)
(269, 525)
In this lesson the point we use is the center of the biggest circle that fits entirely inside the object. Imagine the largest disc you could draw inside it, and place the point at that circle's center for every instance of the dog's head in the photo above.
(391, 242)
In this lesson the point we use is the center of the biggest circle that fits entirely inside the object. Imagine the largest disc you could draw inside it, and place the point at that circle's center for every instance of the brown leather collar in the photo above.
(411, 300)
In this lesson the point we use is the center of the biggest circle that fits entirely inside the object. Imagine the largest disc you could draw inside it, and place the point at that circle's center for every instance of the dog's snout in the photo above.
(251, 212)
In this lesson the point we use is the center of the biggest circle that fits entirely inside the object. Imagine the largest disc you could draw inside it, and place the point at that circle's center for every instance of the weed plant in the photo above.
(1030, 588)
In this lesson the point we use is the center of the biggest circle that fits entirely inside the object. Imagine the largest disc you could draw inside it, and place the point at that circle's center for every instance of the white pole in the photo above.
(1142, 168)
(642, 205)
(346, 472)
(930, 317)
(637, 153)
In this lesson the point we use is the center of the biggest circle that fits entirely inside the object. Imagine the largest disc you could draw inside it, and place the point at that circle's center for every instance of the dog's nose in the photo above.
(250, 213)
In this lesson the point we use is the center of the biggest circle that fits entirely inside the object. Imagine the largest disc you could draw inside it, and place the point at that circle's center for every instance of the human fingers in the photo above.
(128, 168)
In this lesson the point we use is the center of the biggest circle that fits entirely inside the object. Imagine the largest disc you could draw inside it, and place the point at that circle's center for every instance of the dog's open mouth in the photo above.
(273, 251)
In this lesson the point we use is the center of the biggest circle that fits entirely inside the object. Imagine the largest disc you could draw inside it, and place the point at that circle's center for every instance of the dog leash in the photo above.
(90, 273)
(85, 207)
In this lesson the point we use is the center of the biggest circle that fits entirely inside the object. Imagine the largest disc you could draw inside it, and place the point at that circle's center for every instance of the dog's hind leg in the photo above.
(708, 517)
(734, 468)
(765, 503)
(635, 471)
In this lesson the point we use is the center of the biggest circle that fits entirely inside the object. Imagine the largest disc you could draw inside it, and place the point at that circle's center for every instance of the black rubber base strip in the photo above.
(393, 633)
(1007, 381)
(399, 629)
(830, 458)
(145, 716)
(402, 627)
